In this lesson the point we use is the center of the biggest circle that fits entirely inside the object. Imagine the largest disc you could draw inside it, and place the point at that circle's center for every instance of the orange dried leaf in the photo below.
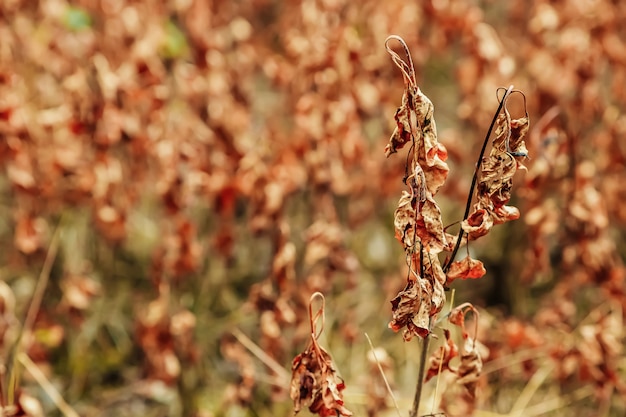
(470, 368)
(430, 227)
(431, 155)
(466, 268)
(402, 133)
(440, 358)
(411, 309)
(478, 224)
(519, 130)
(457, 316)
(404, 221)
(314, 383)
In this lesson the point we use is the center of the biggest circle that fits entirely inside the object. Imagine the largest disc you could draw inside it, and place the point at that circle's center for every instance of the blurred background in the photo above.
(178, 177)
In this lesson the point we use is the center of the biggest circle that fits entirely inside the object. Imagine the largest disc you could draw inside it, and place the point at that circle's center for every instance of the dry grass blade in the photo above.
(558, 402)
(31, 314)
(538, 378)
(47, 386)
(382, 374)
(270, 362)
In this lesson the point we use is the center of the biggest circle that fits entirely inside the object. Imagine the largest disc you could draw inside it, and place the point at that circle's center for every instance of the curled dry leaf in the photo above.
(440, 359)
(471, 366)
(314, 382)
(457, 317)
(423, 225)
(403, 132)
(411, 308)
(404, 220)
(432, 155)
(466, 268)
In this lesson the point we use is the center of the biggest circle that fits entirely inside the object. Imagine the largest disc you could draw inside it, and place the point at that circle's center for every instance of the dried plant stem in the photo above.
(42, 283)
(468, 205)
(558, 402)
(420, 374)
(382, 373)
(529, 390)
(31, 314)
(515, 358)
(432, 411)
(441, 359)
(264, 357)
(46, 385)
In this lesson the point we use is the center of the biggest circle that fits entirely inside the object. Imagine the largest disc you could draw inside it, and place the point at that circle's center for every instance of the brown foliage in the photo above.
(211, 164)
(314, 382)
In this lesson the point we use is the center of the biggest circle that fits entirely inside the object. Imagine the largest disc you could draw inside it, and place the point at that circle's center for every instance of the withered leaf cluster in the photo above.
(496, 173)
(417, 219)
(229, 152)
(471, 362)
(314, 382)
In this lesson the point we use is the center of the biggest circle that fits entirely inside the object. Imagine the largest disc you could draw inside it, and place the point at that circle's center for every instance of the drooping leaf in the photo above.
(439, 360)
(466, 268)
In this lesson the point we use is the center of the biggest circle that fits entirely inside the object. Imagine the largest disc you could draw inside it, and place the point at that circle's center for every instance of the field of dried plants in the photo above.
(246, 208)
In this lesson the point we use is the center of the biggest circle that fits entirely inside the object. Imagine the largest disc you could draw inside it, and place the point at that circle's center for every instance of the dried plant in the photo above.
(314, 382)
(420, 230)
(205, 166)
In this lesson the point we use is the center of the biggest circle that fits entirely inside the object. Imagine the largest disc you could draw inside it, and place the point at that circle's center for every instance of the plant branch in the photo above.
(420, 374)
(31, 314)
(468, 205)
(46, 385)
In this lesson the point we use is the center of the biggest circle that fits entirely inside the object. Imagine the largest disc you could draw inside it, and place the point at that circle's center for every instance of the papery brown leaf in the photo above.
(303, 379)
(440, 359)
(403, 132)
(457, 316)
(471, 367)
(430, 227)
(502, 134)
(504, 214)
(431, 154)
(434, 275)
(466, 268)
(519, 130)
(411, 308)
(330, 403)
(404, 221)
(478, 224)
(314, 382)
(496, 178)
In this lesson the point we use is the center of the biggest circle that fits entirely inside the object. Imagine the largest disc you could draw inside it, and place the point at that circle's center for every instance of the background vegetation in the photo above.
(179, 177)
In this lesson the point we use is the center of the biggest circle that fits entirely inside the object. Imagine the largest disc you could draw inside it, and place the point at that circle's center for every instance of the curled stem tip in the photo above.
(319, 314)
(407, 68)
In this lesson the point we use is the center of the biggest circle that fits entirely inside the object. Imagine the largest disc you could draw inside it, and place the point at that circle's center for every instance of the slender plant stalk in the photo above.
(31, 314)
(47, 386)
(382, 374)
(420, 374)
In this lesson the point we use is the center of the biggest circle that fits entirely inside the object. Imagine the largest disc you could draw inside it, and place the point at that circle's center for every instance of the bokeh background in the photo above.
(178, 177)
